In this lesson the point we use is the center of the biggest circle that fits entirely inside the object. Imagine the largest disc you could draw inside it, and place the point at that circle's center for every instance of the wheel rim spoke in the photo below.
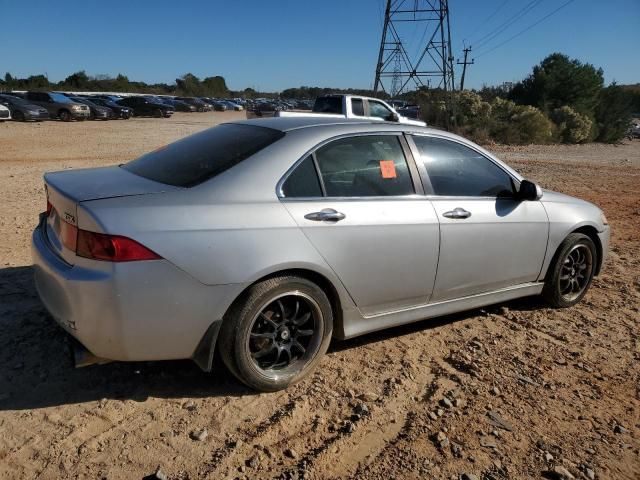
(303, 319)
(284, 316)
(575, 272)
(269, 335)
(298, 345)
(276, 340)
(264, 351)
(268, 320)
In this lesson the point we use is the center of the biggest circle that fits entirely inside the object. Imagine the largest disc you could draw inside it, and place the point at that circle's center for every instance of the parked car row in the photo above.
(36, 106)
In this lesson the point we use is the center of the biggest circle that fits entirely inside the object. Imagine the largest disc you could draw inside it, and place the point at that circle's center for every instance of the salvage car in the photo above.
(264, 239)
(5, 113)
(96, 112)
(118, 110)
(147, 107)
(349, 106)
(21, 110)
(59, 105)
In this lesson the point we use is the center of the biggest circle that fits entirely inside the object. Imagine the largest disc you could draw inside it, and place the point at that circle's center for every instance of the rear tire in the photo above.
(276, 333)
(571, 272)
(18, 116)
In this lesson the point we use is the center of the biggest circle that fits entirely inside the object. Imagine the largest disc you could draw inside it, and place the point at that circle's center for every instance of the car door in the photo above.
(40, 99)
(489, 239)
(357, 199)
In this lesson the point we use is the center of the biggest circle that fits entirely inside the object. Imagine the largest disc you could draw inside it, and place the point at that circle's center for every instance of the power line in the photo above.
(486, 20)
(525, 30)
(505, 25)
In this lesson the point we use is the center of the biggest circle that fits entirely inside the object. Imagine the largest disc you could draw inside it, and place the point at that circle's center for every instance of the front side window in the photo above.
(363, 166)
(204, 155)
(377, 109)
(459, 171)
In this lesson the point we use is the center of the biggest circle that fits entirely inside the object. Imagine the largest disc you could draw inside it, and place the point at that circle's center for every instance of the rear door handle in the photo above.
(457, 213)
(325, 215)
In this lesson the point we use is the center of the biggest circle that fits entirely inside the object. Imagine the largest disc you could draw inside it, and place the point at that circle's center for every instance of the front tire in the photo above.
(276, 333)
(64, 115)
(571, 273)
(158, 113)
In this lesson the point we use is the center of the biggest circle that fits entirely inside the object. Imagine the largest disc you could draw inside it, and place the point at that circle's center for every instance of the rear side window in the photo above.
(364, 166)
(328, 105)
(202, 156)
(303, 181)
(357, 106)
(457, 170)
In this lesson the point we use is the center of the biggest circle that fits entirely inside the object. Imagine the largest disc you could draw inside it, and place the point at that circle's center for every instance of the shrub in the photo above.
(433, 107)
(573, 127)
(518, 124)
(471, 110)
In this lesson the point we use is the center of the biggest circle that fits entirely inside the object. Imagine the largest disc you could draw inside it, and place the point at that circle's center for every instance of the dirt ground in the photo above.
(508, 392)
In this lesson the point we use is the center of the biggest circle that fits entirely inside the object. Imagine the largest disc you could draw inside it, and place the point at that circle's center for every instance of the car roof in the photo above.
(285, 124)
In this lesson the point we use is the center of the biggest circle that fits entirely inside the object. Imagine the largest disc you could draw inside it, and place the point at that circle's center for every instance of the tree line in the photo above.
(562, 100)
(188, 85)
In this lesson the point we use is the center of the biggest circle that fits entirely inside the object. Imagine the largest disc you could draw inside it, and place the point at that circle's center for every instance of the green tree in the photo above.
(78, 81)
(613, 114)
(215, 86)
(558, 81)
(189, 85)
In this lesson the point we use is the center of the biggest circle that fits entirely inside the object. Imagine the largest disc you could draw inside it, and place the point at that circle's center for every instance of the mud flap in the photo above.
(203, 356)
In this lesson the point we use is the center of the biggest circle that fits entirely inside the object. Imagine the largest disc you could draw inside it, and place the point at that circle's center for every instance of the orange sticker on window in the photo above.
(388, 169)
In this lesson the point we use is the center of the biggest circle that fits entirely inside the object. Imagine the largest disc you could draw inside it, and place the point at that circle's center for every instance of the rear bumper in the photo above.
(131, 311)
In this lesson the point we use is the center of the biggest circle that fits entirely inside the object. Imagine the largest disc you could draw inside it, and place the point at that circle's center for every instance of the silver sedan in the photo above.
(266, 238)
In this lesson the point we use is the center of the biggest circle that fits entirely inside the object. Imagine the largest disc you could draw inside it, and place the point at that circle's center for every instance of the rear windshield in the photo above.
(202, 156)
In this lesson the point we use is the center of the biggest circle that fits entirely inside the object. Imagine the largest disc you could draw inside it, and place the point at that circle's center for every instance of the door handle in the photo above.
(457, 213)
(325, 215)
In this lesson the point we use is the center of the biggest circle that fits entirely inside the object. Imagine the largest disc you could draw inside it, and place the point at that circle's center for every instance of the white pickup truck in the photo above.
(347, 106)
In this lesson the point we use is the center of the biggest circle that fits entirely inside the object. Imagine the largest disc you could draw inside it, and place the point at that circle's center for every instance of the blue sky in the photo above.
(271, 45)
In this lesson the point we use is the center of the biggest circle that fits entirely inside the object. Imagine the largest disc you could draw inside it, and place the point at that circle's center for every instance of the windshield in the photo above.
(14, 100)
(197, 158)
(58, 97)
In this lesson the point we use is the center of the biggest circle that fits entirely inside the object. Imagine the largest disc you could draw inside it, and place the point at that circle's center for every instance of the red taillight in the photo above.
(111, 248)
(68, 235)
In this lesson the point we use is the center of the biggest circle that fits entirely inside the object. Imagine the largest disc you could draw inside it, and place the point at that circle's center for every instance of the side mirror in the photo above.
(393, 117)
(529, 191)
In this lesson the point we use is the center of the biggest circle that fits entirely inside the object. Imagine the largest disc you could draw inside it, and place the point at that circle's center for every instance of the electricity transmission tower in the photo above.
(432, 65)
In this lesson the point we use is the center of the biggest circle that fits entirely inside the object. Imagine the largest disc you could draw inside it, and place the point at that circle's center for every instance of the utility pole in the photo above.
(464, 66)
(432, 67)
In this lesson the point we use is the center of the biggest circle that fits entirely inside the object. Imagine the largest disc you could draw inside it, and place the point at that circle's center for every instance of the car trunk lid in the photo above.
(67, 189)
